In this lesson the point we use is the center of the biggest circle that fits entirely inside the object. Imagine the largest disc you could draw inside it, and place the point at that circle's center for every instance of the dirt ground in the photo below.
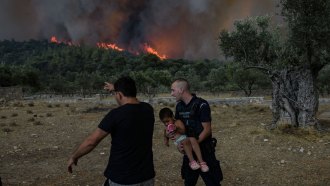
(38, 136)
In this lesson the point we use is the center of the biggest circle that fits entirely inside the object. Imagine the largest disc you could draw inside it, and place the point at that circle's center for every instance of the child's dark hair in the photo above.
(165, 112)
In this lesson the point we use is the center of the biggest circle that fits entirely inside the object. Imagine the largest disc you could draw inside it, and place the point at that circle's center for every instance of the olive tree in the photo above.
(292, 60)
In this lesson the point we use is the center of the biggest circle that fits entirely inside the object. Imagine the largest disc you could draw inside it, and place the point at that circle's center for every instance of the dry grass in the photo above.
(34, 151)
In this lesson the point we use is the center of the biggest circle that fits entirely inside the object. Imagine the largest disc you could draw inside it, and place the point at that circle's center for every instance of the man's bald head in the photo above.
(182, 83)
(180, 89)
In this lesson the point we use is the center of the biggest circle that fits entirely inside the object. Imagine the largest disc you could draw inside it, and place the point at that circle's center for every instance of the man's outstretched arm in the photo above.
(86, 146)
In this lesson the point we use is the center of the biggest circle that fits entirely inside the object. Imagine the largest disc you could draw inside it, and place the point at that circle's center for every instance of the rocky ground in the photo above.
(38, 136)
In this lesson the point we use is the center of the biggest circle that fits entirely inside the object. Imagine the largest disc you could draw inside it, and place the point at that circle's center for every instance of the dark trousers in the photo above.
(211, 178)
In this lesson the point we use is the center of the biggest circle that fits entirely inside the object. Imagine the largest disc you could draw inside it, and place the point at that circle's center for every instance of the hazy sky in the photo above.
(180, 29)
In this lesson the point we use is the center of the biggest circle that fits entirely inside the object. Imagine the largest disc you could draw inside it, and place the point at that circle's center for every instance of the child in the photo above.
(176, 129)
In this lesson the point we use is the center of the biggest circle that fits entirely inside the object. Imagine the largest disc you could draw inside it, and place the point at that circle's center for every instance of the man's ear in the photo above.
(120, 95)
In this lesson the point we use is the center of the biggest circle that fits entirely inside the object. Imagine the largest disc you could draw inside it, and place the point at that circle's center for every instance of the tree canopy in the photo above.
(292, 60)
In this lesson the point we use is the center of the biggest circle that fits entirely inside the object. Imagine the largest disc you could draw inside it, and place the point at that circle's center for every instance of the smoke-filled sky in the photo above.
(178, 28)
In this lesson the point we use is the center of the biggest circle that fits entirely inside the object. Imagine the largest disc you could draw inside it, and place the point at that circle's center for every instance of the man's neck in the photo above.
(187, 98)
(130, 100)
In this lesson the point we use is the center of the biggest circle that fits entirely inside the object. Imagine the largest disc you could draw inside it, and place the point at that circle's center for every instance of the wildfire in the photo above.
(109, 46)
(146, 48)
(153, 51)
(53, 39)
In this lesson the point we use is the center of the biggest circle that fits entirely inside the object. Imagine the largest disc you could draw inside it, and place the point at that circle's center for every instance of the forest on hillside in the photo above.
(43, 66)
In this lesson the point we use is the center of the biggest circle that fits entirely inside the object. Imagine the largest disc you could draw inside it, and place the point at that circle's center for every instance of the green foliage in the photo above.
(309, 27)
(309, 31)
(6, 76)
(249, 79)
(59, 68)
(217, 80)
(148, 82)
(252, 43)
(255, 43)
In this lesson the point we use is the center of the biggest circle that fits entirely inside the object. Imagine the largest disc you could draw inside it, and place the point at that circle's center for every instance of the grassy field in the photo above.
(38, 136)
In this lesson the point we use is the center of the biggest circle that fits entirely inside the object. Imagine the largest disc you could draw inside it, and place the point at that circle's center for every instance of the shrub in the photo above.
(14, 114)
(7, 130)
(13, 124)
(18, 104)
(29, 112)
(37, 123)
(31, 119)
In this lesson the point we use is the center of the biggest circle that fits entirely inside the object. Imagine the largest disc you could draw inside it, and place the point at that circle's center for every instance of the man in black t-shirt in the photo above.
(131, 128)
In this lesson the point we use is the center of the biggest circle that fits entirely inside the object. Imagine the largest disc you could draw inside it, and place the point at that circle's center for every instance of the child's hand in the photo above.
(180, 148)
(166, 141)
(171, 135)
(171, 131)
(171, 128)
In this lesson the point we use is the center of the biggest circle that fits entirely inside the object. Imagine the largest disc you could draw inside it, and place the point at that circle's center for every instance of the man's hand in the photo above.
(108, 86)
(72, 162)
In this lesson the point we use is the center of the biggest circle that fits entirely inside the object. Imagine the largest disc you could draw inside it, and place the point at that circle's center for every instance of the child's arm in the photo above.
(166, 139)
(180, 126)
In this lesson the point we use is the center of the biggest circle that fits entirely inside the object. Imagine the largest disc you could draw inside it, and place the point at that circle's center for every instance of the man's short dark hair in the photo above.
(165, 112)
(126, 85)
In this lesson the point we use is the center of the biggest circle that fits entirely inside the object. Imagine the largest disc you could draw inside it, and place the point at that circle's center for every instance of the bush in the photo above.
(14, 114)
(37, 123)
(29, 112)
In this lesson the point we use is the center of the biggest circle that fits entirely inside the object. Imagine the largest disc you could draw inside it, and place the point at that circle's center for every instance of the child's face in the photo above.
(167, 120)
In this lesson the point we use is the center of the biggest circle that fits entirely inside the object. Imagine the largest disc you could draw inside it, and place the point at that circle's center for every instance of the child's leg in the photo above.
(196, 148)
(188, 149)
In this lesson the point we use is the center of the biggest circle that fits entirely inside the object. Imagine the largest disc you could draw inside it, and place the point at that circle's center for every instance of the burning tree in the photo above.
(292, 60)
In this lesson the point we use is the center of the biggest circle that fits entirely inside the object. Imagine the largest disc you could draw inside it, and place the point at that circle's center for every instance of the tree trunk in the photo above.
(294, 97)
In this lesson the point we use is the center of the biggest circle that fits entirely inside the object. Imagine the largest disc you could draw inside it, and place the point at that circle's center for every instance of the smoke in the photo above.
(180, 29)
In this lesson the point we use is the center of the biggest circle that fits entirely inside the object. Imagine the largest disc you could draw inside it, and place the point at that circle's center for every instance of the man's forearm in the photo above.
(89, 144)
(206, 132)
(84, 148)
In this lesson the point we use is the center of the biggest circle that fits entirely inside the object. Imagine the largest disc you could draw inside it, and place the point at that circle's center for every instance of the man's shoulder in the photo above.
(136, 108)
(180, 104)
(200, 101)
(195, 101)
(146, 105)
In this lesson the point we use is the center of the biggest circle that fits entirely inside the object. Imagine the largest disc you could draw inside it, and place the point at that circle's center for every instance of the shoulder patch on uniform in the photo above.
(202, 105)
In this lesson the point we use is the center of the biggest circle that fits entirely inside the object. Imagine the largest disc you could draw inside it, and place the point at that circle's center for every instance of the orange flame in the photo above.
(113, 46)
(150, 50)
(53, 39)
(109, 46)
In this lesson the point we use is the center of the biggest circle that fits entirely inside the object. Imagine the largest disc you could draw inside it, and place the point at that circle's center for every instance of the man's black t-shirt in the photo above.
(131, 128)
(193, 114)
